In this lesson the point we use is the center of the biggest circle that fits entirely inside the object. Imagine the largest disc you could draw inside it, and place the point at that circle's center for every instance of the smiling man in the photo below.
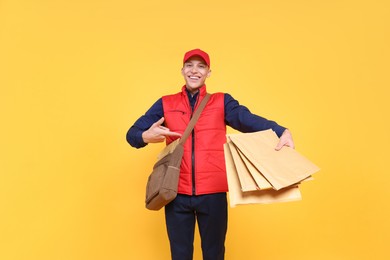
(195, 70)
(203, 183)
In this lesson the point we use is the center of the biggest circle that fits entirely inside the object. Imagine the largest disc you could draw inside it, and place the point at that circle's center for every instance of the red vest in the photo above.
(209, 137)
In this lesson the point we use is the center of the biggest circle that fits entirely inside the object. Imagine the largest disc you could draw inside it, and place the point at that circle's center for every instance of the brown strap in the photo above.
(194, 118)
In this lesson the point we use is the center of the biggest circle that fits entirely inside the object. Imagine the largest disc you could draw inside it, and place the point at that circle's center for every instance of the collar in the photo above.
(202, 91)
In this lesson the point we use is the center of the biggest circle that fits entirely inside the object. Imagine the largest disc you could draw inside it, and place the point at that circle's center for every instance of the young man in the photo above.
(203, 182)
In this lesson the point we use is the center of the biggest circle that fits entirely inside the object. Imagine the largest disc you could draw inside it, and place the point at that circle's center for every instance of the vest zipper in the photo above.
(193, 163)
(193, 151)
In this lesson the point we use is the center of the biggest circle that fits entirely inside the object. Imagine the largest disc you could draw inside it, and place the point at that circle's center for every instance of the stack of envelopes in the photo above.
(257, 173)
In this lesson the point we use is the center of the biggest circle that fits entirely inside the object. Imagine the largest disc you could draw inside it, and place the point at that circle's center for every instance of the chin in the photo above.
(194, 88)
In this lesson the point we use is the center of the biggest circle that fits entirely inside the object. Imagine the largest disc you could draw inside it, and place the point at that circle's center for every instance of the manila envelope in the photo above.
(281, 168)
(260, 180)
(244, 176)
(250, 178)
(237, 197)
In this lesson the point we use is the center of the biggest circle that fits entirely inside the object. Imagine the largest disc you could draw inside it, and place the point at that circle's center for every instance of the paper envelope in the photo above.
(247, 182)
(280, 168)
(250, 178)
(260, 180)
(237, 197)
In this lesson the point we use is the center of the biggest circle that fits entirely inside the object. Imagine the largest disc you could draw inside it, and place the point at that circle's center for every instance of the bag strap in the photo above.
(194, 118)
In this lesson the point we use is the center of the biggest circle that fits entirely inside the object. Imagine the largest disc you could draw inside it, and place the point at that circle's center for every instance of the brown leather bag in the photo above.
(163, 182)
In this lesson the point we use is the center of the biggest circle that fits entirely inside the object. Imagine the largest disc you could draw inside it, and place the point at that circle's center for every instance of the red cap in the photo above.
(197, 52)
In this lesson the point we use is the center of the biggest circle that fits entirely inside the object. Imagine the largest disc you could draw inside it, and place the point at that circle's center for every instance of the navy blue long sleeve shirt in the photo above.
(236, 116)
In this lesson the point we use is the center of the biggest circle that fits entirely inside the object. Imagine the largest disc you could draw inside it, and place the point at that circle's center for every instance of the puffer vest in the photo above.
(202, 170)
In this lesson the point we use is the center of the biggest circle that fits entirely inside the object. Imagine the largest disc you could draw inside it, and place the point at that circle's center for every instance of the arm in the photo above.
(240, 118)
(157, 133)
(149, 127)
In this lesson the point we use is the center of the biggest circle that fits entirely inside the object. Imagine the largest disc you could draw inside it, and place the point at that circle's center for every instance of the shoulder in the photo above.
(217, 95)
(229, 98)
(222, 94)
(225, 97)
(171, 96)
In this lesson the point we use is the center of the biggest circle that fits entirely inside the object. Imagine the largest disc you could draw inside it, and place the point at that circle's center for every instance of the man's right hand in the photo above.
(157, 133)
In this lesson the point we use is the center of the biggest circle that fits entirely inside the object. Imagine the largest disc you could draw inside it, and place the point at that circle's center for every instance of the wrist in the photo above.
(144, 136)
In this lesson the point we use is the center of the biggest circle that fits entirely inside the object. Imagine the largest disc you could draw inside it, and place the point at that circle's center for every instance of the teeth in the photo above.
(193, 77)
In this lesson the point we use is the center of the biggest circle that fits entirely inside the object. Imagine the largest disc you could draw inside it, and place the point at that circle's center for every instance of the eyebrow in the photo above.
(201, 62)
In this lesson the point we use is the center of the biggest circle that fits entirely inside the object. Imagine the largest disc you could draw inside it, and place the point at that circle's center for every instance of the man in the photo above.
(203, 182)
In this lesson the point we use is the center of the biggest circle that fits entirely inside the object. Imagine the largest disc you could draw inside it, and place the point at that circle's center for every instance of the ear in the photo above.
(209, 73)
(182, 71)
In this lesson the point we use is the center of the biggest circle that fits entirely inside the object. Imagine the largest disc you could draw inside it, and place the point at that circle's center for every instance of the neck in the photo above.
(192, 92)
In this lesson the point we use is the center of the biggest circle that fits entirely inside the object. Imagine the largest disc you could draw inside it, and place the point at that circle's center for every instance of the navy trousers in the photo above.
(210, 211)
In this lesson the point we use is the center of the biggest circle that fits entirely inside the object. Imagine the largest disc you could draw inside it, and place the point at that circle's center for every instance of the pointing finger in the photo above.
(160, 121)
(169, 133)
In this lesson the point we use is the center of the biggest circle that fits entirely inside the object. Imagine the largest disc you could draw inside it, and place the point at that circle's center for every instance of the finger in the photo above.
(159, 122)
(169, 133)
(164, 128)
(279, 146)
(158, 139)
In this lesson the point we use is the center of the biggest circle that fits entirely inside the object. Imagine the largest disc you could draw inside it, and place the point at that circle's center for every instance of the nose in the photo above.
(193, 69)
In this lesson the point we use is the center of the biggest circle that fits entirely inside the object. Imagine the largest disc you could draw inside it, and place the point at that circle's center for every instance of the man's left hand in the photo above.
(285, 140)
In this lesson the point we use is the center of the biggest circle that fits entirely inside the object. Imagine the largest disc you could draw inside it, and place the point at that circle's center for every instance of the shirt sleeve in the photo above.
(240, 118)
(134, 134)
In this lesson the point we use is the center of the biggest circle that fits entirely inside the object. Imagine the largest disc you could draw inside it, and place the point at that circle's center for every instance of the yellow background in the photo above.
(76, 74)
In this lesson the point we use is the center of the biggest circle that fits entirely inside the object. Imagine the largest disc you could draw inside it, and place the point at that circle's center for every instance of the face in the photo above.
(195, 72)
